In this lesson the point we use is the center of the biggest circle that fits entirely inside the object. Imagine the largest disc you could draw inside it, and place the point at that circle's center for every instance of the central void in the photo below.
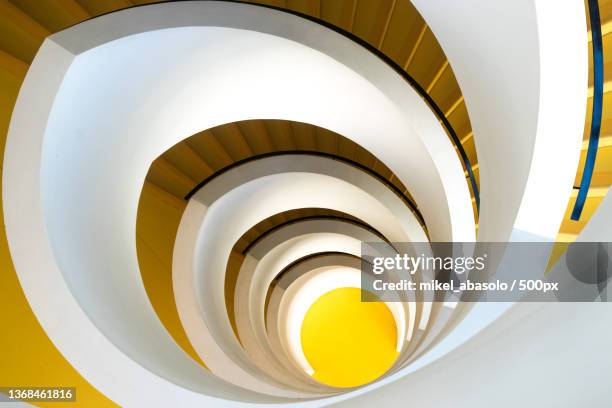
(348, 342)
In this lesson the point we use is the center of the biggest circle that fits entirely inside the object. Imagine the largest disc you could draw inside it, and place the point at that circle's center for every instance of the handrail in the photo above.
(598, 84)
(308, 257)
(313, 218)
(292, 265)
(353, 163)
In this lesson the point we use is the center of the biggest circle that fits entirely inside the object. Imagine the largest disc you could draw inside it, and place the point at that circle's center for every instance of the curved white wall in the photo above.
(97, 128)
(91, 125)
(522, 67)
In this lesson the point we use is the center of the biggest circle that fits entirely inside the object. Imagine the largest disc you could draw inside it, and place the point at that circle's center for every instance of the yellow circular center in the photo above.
(348, 342)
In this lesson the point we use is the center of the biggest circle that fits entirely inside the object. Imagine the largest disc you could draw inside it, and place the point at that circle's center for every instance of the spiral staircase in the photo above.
(186, 186)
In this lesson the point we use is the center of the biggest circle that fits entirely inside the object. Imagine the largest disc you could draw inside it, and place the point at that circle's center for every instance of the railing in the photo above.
(358, 223)
(598, 84)
(353, 163)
